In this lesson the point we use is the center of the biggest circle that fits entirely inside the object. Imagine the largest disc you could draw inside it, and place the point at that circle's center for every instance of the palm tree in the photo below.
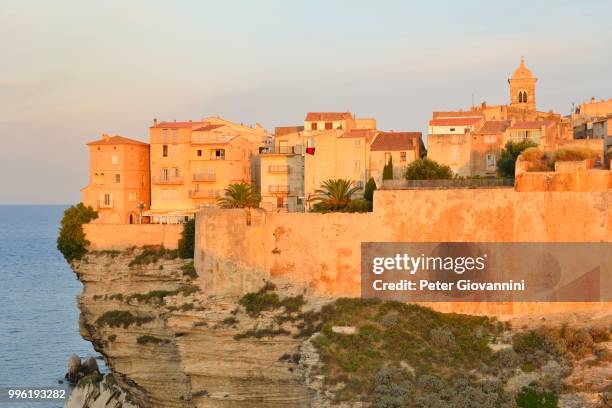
(334, 194)
(239, 195)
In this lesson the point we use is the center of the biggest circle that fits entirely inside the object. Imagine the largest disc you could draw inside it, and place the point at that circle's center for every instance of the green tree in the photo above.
(239, 195)
(71, 241)
(507, 158)
(368, 191)
(334, 195)
(388, 169)
(427, 169)
(186, 244)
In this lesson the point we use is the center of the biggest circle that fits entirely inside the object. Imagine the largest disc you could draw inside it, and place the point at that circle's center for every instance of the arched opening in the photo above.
(131, 218)
(520, 97)
(524, 96)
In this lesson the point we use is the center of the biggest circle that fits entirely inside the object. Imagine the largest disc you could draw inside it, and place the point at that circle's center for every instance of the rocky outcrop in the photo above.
(103, 394)
(170, 345)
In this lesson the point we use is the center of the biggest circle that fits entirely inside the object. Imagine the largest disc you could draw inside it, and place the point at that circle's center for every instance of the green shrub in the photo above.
(260, 333)
(94, 379)
(388, 169)
(186, 244)
(506, 164)
(529, 397)
(189, 270)
(72, 242)
(264, 299)
(121, 318)
(427, 169)
(146, 339)
(154, 296)
(151, 254)
(368, 191)
(358, 206)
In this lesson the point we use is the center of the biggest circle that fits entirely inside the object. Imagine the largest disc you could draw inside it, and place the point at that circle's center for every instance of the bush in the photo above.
(144, 340)
(358, 206)
(529, 397)
(151, 254)
(506, 164)
(388, 169)
(121, 318)
(427, 169)
(574, 153)
(189, 270)
(71, 241)
(368, 191)
(186, 244)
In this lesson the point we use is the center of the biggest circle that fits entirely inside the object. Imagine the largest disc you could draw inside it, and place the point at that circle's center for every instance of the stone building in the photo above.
(193, 162)
(119, 183)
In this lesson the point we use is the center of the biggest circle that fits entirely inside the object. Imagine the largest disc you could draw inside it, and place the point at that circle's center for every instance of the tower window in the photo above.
(165, 150)
(520, 97)
(524, 97)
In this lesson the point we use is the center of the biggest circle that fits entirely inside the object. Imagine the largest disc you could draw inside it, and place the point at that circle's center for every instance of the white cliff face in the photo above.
(169, 344)
(105, 394)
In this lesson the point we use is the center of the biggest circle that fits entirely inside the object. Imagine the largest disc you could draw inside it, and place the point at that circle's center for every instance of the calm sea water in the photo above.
(38, 312)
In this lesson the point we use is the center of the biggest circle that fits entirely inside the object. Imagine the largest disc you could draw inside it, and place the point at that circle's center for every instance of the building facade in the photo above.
(119, 178)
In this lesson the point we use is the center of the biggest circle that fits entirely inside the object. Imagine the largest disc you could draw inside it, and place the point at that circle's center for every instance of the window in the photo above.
(96, 178)
(329, 125)
(454, 153)
(176, 172)
(101, 178)
(107, 199)
(524, 96)
(165, 150)
(174, 136)
(217, 154)
(402, 156)
(114, 159)
(199, 153)
(452, 129)
(165, 175)
(357, 142)
(489, 139)
(132, 196)
(490, 160)
(165, 135)
(117, 178)
(313, 126)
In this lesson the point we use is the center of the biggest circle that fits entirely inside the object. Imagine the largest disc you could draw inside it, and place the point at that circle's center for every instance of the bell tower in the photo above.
(523, 88)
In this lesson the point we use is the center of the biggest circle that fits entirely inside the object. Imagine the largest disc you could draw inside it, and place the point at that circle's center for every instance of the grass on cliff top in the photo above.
(266, 299)
(158, 296)
(403, 352)
(152, 254)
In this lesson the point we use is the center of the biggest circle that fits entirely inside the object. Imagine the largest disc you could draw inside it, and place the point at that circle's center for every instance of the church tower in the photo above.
(522, 88)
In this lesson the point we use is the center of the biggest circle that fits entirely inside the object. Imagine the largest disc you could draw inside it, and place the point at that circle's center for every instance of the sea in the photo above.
(39, 327)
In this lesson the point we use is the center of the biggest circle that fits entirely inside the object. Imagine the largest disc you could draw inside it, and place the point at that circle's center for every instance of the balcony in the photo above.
(279, 189)
(284, 150)
(278, 169)
(204, 193)
(105, 204)
(204, 177)
(165, 180)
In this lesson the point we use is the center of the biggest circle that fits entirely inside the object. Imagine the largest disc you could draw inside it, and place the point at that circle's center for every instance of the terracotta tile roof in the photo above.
(494, 126)
(285, 130)
(331, 116)
(116, 140)
(534, 124)
(456, 114)
(389, 141)
(176, 125)
(455, 121)
(207, 127)
(354, 133)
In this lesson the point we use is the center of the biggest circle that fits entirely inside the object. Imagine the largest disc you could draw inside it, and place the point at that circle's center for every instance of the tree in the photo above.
(72, 242)
(427, 169)
(507, 158)
(368, 191)
(186, 245)
(334, 195)
(239, 195)
(388, 169)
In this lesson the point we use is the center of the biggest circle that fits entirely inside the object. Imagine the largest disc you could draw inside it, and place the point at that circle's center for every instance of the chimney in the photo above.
(105, 137)
(154, 121)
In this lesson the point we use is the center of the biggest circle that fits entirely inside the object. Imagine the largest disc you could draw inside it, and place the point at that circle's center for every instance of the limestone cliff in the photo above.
(169, 345)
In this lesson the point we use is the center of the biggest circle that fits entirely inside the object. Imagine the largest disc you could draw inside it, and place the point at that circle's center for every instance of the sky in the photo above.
(72, 70)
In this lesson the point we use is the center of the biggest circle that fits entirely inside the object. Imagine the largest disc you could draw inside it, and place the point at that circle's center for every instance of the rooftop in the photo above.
(466, 121)
(533, 124)
(321, 116)
(389, 141)
(207, 127)
(494, 126)
(116, 140)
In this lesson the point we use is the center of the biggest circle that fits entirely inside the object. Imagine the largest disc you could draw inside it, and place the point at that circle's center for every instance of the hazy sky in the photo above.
(70, 70)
